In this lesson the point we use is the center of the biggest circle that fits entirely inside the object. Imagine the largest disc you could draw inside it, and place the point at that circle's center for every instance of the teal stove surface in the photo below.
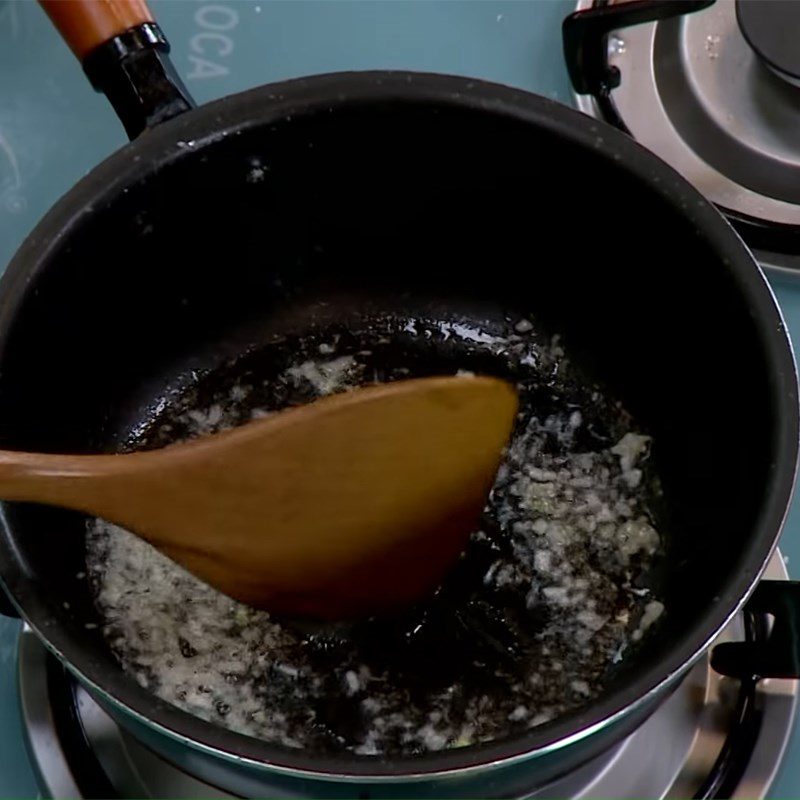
(54, 128)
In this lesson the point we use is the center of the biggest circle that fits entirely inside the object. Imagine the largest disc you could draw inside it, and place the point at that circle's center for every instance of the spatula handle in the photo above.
(54, 479)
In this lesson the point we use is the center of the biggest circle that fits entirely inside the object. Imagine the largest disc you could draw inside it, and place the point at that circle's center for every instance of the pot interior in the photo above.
(212, 244)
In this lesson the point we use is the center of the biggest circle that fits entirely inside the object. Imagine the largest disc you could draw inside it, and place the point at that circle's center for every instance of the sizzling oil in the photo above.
(547, 596)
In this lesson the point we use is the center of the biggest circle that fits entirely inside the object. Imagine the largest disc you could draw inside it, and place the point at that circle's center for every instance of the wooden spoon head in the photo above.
(355, 504)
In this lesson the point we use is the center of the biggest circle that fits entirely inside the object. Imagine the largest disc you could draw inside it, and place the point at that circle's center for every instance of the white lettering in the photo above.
(203, 68)
(209, 44)
(223, 46)
(216, 18)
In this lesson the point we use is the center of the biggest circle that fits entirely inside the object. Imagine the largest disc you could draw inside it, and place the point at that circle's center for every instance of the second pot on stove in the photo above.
(397, 190)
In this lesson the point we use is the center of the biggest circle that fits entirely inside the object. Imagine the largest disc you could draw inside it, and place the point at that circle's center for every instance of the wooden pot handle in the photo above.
(125, 55)
(86, 24)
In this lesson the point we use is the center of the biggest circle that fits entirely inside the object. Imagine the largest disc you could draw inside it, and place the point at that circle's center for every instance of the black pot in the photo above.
(407, 189)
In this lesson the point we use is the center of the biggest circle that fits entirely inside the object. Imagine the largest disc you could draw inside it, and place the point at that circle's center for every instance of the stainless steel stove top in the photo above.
(696, 92)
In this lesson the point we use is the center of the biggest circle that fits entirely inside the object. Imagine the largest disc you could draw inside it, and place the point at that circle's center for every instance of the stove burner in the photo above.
(690, 87)
(712, 738)
(771, 28)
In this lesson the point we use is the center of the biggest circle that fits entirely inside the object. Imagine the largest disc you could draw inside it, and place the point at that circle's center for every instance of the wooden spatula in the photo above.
(351, 505)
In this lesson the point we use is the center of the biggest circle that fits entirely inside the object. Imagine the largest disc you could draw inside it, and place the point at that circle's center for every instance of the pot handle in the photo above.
(777, 654)
(125, 55)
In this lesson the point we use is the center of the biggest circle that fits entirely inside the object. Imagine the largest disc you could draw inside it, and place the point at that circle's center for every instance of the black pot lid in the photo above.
(715, 93)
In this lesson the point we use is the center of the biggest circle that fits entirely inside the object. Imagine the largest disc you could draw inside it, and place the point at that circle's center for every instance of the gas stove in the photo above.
(711, 89)
(710, 738)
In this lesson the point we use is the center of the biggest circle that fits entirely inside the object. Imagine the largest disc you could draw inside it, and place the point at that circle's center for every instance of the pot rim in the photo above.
(185, 135)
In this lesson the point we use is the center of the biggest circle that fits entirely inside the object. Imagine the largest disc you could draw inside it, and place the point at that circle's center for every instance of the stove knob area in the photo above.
(772, 29)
